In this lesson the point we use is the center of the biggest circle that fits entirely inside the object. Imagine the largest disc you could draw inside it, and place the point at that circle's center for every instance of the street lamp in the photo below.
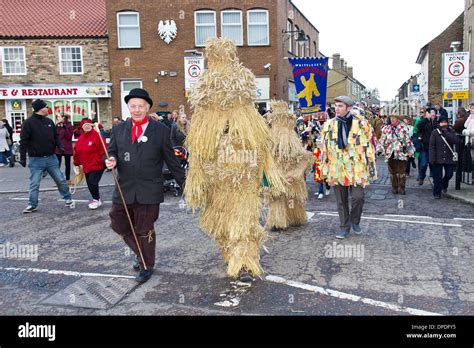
(301, 40)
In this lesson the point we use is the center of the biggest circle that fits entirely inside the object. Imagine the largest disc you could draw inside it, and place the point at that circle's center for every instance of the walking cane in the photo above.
(96, 128)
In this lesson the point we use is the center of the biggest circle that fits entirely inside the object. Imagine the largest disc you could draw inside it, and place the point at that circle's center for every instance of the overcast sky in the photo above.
(384, 37)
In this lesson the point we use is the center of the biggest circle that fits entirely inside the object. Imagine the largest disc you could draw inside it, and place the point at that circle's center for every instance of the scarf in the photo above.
(344, 125)
(137, 129)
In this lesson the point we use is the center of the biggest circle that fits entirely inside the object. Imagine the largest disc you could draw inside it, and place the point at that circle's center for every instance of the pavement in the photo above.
(414, 258)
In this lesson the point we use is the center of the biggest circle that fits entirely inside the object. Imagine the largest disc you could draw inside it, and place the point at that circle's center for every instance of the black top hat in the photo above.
(139, 93)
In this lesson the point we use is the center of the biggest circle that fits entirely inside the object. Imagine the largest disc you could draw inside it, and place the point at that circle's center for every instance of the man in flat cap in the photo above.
(348, 162)
(39, 139)
(137, 150)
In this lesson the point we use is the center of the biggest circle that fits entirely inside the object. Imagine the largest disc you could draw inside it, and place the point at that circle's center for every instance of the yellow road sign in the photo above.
(456, 95)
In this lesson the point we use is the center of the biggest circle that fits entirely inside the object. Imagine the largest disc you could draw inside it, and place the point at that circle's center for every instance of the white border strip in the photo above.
(397, 220)
(67, 273)
(346, 296)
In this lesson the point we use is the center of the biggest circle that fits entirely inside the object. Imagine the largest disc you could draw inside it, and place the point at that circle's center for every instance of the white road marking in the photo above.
(409, 216)
(61, 200)
(398, 220)
(346, 296)
(463, 219)
(68, 273)
(309, 215)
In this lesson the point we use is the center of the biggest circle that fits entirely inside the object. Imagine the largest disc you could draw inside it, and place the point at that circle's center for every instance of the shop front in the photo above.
(75, 101)
(263, 94)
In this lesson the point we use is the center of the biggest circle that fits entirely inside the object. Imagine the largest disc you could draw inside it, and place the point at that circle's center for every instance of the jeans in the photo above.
(321, 187)
(49, 163)
(423, 164)
(3, 157)
(441, 182)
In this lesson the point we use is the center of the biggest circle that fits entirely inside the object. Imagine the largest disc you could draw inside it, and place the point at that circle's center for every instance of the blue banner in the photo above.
(311, 80)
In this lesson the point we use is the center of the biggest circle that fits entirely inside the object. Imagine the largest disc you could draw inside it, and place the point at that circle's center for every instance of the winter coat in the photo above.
(140, 165)
(469, 131)
(353, 165)
(424, 129)
(396, 142)
(3, 140)
(177, 137)
(439, 152)
(65, 132)
(38, 137)
(89, 152)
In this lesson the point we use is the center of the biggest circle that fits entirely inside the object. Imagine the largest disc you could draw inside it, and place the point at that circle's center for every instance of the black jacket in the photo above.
(425, 128)
(177, 137)
(140, 165)
(439, 152)
(38, 137)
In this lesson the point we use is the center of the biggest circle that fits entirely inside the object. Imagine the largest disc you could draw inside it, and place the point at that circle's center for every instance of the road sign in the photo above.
(456, 73)
(416, 89)
(456, 95)
(193, 68)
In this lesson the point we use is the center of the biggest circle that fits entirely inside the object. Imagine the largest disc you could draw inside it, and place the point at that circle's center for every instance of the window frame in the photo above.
(128, 26)
(297, 44)
(203, 25)
(4, 73)
(61, 71)
(289, 29)
(249, 12)
(223, 12)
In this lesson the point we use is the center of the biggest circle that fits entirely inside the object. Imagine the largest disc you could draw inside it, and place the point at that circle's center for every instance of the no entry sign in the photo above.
(456, 73)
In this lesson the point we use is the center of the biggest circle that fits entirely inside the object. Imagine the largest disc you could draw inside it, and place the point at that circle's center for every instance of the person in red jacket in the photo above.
(89, 153)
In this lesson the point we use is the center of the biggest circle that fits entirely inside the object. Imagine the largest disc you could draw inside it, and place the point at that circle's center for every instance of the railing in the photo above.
(463, 176)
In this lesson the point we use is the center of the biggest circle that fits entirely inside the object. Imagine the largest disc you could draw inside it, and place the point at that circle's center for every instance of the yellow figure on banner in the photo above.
(310, 89)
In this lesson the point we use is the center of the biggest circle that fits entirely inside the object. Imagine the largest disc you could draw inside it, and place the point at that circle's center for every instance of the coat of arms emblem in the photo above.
(167, 30)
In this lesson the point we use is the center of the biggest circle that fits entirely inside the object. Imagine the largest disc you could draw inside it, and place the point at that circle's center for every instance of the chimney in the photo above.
(342, 64)
(350, 71)
(345, 67)
(336, 61)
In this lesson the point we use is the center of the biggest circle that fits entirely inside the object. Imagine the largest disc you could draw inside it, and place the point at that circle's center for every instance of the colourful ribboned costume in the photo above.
(354, 165)
(230, 150)
(293, 161)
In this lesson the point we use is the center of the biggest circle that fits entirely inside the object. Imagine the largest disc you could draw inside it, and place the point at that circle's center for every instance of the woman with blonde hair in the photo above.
(179, 131)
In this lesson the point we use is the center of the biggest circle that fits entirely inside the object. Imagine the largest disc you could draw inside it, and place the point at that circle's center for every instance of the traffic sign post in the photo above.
(455, 78)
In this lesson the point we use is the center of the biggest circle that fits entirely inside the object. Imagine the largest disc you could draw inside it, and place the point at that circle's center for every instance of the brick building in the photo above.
(341, 81)
(139, 57)
(431, 88)
(469, 42)
(62, 58)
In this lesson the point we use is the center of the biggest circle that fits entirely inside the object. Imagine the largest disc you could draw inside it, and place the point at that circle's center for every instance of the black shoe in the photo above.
(420, 182)
(437, 197)
(445, 190)
(413, 165)
(395, 191)
(45, 173)
(136, 264)
(144, 276)
(245, 277)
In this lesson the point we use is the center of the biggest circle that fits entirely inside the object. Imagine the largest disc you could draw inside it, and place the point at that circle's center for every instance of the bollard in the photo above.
(460, 150)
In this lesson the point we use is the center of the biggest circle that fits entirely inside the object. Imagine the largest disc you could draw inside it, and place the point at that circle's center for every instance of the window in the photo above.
(257, 28)
(70, 60)
(232, 26)
(128, 30)
(205, 22)
(289, 29)
(14, 61)
(125, 88)
(308, 46)
(315, 49)
(297, 47)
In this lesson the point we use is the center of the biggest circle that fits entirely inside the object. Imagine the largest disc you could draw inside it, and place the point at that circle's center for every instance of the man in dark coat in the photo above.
(137, 149)
(39, 139)
(424, 129)
(442, 149)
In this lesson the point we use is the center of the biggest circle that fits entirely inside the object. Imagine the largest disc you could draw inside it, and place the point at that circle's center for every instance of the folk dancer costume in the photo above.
(140, 149)
(396, 145)
(293, 161)
(348, 164)
(230, 154)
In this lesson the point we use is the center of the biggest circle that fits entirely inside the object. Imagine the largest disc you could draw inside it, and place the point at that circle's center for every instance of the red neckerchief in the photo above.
(137, 129)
